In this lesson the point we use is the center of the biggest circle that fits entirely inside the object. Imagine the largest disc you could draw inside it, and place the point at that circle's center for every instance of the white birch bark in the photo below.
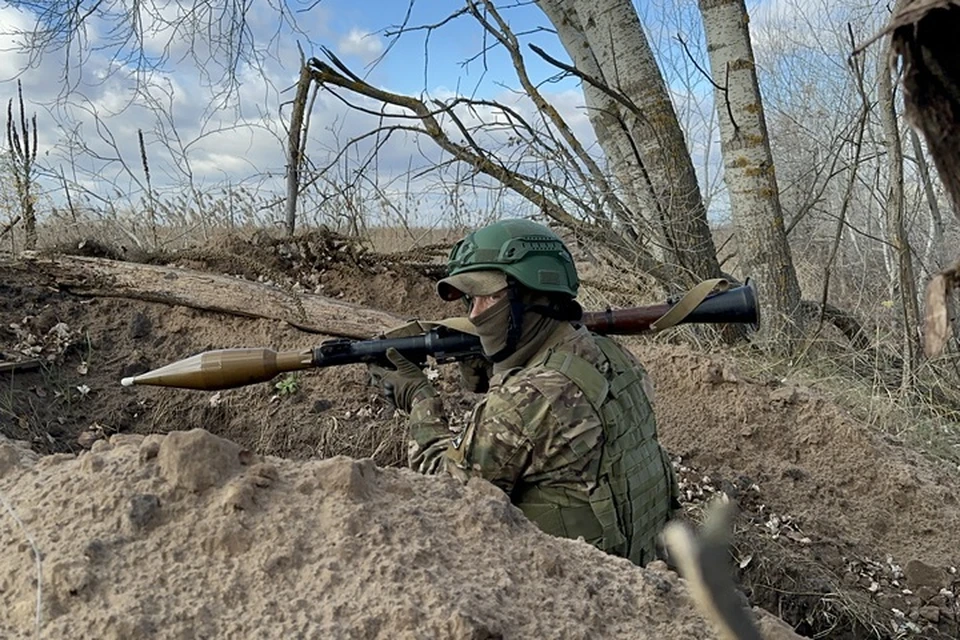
(648, 154)
(762, 249)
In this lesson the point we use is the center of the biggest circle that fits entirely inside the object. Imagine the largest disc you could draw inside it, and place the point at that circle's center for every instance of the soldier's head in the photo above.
(507, 270)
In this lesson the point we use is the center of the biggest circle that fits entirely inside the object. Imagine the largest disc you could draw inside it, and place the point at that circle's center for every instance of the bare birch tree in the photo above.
(636, 125)
(762, 248)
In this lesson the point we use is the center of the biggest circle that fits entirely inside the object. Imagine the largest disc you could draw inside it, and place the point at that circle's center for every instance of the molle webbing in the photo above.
(630, 499)
(559, 514)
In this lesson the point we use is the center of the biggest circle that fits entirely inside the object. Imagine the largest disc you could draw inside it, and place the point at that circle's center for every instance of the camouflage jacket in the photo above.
(534, 427)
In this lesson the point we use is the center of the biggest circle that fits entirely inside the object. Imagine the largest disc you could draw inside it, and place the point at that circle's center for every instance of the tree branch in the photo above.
(327, 75)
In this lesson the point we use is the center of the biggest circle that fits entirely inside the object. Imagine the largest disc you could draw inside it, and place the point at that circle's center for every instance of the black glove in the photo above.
(475, 374)
(402, 385)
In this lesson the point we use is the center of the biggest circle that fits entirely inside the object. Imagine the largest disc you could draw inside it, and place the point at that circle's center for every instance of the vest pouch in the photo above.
(562, 521)
(604, 510)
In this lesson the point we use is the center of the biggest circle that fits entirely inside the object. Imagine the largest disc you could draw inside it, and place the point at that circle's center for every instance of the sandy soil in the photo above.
(188, 535)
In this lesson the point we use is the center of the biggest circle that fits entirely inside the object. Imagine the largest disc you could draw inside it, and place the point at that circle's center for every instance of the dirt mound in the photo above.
(189, 535)
(319, 261)
(803, 451)
(830, 508)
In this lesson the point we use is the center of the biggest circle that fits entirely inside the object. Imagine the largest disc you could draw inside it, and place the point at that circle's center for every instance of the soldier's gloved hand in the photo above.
(402, 385)
(475, 374)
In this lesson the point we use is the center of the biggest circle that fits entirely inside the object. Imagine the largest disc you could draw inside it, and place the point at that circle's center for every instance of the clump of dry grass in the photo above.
(925, 414)
(383, 440)
(784, 578)
(811, 584)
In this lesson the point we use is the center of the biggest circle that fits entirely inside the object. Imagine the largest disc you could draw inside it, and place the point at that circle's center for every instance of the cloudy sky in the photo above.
(204, 128)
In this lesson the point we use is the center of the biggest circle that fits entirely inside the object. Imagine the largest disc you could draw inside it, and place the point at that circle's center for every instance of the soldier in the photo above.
(567, 427)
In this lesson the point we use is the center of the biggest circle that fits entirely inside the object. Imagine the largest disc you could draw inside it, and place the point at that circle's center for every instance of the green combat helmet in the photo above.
(530, 253)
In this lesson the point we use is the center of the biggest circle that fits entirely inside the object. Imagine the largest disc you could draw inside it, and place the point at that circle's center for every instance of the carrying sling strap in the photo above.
(688, 303)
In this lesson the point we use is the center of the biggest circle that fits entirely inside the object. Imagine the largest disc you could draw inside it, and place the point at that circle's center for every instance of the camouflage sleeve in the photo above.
(429, 436)
(498, 441)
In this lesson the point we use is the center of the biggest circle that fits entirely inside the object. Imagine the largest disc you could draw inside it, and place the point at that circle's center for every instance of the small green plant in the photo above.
(288, 386)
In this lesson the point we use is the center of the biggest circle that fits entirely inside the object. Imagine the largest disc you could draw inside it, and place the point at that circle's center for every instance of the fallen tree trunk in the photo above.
(100, 277)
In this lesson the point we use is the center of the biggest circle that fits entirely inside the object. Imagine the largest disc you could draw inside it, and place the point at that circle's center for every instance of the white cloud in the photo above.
(12, 21)
(362, 44)
(220, 164)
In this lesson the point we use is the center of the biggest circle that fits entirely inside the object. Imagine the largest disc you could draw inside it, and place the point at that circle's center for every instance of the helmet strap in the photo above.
(565, 311)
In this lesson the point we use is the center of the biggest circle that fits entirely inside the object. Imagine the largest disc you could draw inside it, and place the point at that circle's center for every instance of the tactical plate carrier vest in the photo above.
(633, 494)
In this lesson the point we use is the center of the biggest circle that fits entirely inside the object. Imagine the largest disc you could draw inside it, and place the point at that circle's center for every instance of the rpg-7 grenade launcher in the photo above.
(229, 368)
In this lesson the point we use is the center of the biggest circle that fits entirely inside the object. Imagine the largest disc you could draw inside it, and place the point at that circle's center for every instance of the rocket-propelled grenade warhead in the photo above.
(224, 369)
